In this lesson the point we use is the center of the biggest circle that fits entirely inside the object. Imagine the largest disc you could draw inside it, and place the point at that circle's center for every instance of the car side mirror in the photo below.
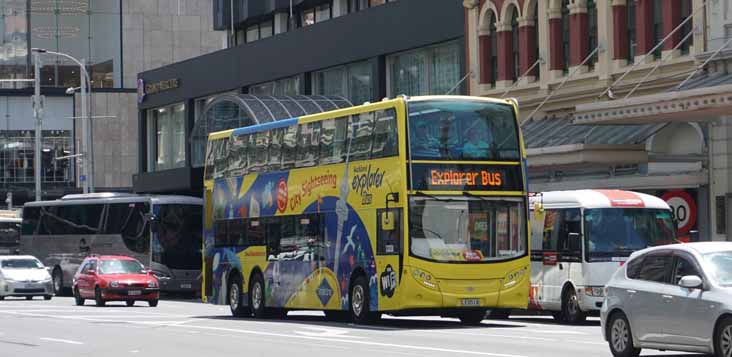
(575, 242)
(691, 282)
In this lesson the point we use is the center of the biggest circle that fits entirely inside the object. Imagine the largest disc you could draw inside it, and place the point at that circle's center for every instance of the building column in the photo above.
(579, 37)
(671, 19)
(643, 28)
(527, 53)
(484, 57)
(505, 56)
(620, 32)
(556, 55)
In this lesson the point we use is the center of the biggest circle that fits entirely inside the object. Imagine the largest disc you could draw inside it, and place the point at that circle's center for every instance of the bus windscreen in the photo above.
(462, 130)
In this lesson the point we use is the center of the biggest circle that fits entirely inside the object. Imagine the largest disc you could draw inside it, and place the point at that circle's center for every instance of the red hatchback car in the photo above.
(114, 278)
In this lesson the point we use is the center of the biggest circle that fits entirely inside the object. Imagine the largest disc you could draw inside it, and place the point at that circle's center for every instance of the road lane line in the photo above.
(59, 340)
(360, 342)
(588, 342)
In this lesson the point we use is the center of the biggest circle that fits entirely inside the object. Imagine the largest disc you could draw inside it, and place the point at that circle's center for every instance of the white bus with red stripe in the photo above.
(580, 238)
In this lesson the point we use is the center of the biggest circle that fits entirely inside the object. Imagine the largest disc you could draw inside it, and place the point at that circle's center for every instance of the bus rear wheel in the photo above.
(360, 302)
(571, 311)
(256, 297)
(235, 300)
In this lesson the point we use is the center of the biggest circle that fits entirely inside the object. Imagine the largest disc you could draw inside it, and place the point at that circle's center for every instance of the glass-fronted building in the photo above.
(329, 51)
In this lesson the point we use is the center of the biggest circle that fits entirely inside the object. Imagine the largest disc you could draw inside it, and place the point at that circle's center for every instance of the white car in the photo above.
(675, 297)
(24, 275)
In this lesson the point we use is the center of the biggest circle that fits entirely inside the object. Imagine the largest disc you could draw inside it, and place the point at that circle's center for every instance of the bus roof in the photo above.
(348, 111)
(109, 197)
(598, 199)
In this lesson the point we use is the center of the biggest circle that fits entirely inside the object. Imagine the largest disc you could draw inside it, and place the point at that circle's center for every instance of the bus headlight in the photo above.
(515, 277)
(424, 278)
(594, 291)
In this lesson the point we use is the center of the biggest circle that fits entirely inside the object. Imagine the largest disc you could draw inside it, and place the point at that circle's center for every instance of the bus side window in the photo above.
(385, 134)
(289, 147)
(275, 150)
(360, 133)
(209, 166)
(221, 157)
(261, 151)
(308, 145)
(333, 141)
(389, 238)
(31, 220)
(551, 222)
(557, 227)
(239, 147)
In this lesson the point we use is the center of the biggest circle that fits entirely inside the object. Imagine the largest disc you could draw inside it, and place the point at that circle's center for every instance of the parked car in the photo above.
(24, 275)
(115, 278)
(675, 297)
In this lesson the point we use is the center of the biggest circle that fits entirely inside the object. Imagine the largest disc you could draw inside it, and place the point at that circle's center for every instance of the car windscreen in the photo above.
(618, 232)
(721, 266)
(120, 266)
(21, 264)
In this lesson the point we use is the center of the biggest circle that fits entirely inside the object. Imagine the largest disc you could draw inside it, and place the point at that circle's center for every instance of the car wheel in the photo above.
(360, 302)
(130, 302)
(98, 297)
(723, 338)
(2, 298)
(153, 303)
(571, 312)
(47, 297)
(235, 300)
(472, 317)
(29, 298)
(256, 297)
(77, 297)
(620, 338)
(58, 282)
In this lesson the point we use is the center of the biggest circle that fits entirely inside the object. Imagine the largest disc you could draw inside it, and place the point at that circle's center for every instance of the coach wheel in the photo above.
(58, 282)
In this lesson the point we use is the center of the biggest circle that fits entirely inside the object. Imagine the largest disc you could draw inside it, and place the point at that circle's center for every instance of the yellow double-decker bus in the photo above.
(409, 206)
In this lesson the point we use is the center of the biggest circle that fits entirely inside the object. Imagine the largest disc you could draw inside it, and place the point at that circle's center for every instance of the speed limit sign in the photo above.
(684, 209)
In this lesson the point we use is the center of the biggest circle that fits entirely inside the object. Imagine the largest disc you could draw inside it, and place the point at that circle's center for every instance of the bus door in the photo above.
(389, 252)
(561, 259)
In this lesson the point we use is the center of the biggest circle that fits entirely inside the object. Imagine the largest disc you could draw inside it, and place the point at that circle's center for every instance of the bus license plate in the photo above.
(185, 286)
(470, 302)
(134, 292)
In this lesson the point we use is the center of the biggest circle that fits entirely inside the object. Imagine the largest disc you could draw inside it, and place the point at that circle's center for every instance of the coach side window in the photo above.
(31, 219)
(289, 147)
(308, 146)
(558, 225)
(128, 220)
(385, 134)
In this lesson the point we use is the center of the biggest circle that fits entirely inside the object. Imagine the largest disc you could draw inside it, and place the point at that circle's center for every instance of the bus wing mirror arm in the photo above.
(391, 197)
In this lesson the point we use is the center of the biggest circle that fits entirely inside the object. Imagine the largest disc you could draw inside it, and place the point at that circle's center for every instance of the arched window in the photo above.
(630, 25)
(592, 28)
(658, 25)
(515, 45)
(686, 12)
(494, 50)
(565, 35)
(489, 51)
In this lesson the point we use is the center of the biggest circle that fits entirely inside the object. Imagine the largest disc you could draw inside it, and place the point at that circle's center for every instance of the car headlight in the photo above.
(114, 284)
(424, 278)
(152, 284)
(595, 291)
(161, 275)
(514, 277)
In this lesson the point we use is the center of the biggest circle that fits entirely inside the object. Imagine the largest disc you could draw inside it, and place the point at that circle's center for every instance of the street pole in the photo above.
(38, 114)
(85, 159)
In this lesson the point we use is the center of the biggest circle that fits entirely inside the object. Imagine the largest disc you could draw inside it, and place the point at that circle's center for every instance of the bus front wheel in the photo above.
(571, 311)
(360, 302)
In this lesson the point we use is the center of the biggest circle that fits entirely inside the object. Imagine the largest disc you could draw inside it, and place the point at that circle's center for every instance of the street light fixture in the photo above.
(87, 176)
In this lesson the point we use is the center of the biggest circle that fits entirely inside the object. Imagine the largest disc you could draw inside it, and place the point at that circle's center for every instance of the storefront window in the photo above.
(285, 86)
(353, 82)
(432, 70)
(17, 156)
(167, 137)
(214, 116)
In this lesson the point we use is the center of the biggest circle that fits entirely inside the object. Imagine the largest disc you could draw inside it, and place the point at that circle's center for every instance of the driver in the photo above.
(611, 232)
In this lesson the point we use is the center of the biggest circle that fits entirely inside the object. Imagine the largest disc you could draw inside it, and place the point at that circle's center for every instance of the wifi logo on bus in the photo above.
(282, 195)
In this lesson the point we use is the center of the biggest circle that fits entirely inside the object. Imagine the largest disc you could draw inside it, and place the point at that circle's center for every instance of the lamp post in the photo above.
(87, 176)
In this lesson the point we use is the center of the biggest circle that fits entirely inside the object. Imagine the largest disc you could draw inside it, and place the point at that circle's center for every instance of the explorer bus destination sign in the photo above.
(466, 177)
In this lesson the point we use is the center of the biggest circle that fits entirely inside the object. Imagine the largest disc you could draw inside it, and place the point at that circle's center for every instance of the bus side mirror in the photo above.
(575, 242)
(387, 221)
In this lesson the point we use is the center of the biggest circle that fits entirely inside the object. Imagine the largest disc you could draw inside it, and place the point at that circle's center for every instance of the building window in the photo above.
(358, 5)
(252, 33)
(687, 28)
(565, 35)
(631, 36)
(592, 28)
(17, 156)
(494, 50)
(432, 70)
(515, 45)
(536, 38)
(166, 129)
(657, 26)
(255, 32)
(281, 87)
(316, 14)
(353, 81)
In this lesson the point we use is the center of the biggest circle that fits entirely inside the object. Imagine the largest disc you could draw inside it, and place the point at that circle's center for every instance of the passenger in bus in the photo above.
(612, 231)
(477, 146)
(424, 143)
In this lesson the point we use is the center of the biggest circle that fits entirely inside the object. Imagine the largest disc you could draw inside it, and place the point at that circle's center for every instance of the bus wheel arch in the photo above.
(571, 311)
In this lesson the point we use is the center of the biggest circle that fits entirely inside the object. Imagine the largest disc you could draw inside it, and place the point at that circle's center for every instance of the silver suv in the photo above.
(674, 297)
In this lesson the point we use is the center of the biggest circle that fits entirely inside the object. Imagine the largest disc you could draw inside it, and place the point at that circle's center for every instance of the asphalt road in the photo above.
(184, 328)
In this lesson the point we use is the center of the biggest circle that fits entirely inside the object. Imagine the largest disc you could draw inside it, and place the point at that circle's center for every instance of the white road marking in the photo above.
(588, 342)
(559, 332)
(70, 342)
(360, 342)
(325, 332)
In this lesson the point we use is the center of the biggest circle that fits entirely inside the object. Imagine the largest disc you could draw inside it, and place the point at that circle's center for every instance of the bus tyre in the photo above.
(256, 297)
(360, 302)
(153, 303)
(29, 297)
(499, 314)
(58, 282)
(130, 303)
(571, 312)
(77, 297)
(472, 317)
(47, 297)
(620, 338)
(235, 300)
(98, 297)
